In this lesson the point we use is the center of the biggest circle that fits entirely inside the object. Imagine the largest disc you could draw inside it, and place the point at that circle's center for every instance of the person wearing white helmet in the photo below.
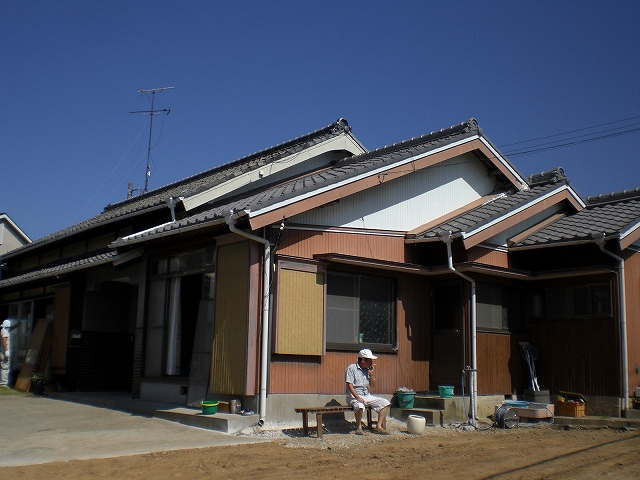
(5, 357)
(358, 377)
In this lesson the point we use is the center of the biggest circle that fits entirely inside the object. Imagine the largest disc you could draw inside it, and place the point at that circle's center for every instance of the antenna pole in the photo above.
(151, 112)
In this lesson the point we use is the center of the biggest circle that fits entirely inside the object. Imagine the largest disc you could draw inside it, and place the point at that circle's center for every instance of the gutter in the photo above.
(266, 281)
(599, 239)
(473, 380)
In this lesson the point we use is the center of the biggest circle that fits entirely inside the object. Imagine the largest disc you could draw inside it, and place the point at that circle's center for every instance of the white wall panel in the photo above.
(407, 202)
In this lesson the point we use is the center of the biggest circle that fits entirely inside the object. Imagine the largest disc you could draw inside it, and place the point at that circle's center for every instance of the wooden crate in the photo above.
(571, 409)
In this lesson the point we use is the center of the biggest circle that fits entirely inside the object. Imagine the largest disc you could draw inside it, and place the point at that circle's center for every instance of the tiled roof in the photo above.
(342, 171)
(60, 269)
(611, 214)
(501, 205)
(157, 198)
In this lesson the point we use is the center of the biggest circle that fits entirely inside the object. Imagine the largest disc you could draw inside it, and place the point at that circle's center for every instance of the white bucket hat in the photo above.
(366, 353)
(6, 323)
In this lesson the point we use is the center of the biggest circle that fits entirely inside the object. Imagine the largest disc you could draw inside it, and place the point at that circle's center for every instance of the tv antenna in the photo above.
(151, 112)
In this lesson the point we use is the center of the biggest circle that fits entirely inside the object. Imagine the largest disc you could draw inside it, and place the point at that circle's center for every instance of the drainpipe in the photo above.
(446, 238)
(231, 220)
(599, 239)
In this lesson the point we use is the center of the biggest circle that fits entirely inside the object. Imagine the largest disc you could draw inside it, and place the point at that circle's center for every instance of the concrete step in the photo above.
(430, 402)
(221, 422)
(432, 416)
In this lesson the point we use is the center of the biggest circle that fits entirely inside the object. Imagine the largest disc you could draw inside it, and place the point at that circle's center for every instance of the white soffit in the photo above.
(342, 142)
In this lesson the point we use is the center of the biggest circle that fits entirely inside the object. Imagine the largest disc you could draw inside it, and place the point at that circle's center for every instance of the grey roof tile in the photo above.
(488, 212)
(69, 267)
(610, 214)
(188, 186)
(342, 170)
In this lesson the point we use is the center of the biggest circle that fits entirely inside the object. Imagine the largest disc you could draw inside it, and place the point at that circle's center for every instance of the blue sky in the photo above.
(249, 75)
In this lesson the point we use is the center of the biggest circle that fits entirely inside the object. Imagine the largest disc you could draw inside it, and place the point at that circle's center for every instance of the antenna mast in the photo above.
(151, 112)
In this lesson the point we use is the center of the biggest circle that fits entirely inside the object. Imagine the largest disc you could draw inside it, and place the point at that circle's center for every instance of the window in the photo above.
(499, 307)
(177, 286)
(579, 301)
(360, 311)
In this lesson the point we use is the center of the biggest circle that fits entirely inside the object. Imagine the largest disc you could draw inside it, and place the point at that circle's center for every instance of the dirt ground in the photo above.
(540, 452)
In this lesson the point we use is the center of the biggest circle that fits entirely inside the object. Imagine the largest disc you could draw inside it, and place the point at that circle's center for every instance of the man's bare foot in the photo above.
(382, 431)
(359, 431)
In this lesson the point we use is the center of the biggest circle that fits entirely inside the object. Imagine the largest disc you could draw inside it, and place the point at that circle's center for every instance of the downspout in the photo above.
(266, 267)
(446, 238)
(599, 239)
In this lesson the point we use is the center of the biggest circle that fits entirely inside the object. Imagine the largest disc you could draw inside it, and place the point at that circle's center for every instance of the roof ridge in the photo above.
(555, 175)
(465, 127)
(613, 197)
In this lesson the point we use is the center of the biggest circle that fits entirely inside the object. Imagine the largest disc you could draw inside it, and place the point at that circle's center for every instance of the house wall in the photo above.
(409, 201)
(500, 366)
(578, 356)
(306, 243)
(9, 238)
(488, 256)
(408, 366)
(632, 281)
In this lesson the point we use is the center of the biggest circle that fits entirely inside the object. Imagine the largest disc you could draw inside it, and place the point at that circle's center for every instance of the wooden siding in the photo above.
(408, 367)
(300, 313)
(632, 283)
(488, 256)
(229, 353)
(60, 332)
(304, 244)
(578, 355)
(501, 369)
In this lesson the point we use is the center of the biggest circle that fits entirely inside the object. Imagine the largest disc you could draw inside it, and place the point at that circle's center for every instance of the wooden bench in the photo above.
(319, 411)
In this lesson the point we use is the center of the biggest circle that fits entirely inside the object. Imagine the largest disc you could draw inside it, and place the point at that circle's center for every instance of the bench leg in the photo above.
(319, 424)
(369, 421)
(305, 423)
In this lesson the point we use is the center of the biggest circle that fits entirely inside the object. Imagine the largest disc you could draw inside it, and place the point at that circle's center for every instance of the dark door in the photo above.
(448, 337)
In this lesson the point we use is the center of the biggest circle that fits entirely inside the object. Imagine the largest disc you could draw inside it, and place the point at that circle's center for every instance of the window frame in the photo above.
(392, 322)
(513, 320)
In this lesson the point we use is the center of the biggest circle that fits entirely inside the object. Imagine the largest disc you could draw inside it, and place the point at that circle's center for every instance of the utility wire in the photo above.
(542, 148)
(571, 131)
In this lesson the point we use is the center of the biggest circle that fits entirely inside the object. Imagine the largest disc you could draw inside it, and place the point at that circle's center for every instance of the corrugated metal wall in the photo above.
(229, 353)
(404, 203)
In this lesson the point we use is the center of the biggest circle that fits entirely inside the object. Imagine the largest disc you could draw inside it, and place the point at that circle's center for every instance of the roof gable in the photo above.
(615, 215)
(499, 213)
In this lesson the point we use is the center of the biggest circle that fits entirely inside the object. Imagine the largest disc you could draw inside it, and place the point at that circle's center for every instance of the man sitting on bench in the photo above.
(358, 377)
